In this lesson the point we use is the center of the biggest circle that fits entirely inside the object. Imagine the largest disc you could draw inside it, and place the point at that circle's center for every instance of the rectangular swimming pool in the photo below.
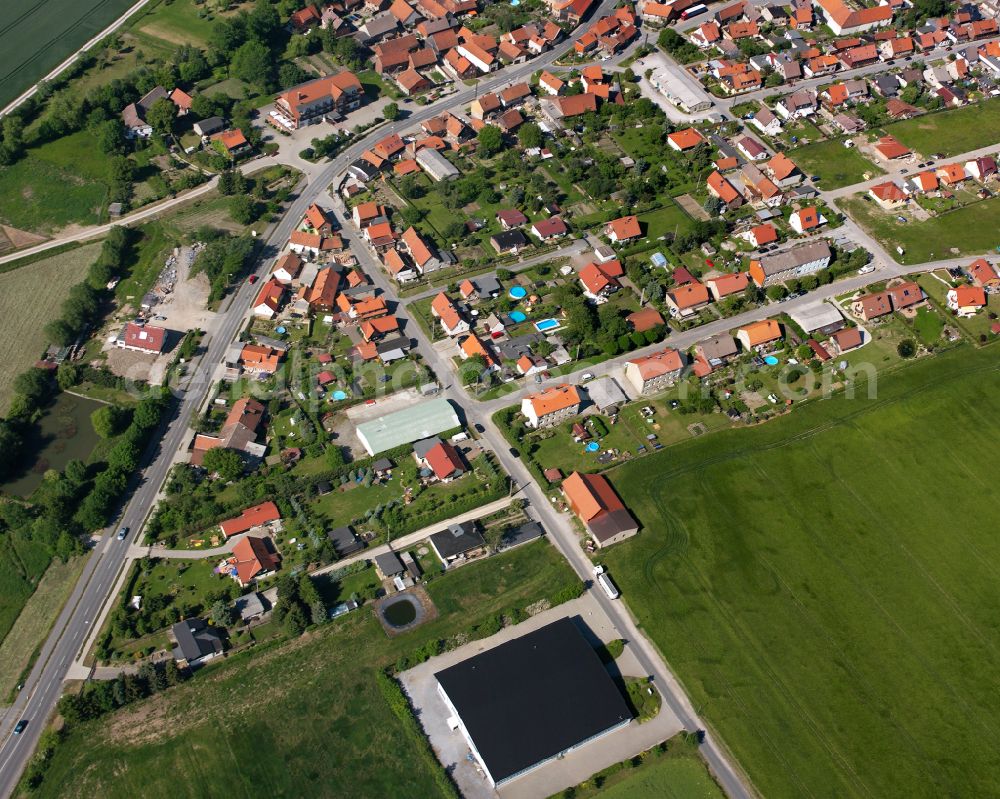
(546, 325)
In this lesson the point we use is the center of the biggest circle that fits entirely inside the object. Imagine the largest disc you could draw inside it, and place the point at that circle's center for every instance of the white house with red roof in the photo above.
(266, 514)
(140, 337)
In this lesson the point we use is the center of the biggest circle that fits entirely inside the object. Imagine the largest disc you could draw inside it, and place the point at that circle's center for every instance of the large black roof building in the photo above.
(533, 699)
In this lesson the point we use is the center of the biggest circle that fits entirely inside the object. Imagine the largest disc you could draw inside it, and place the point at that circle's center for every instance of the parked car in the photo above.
(587, 376)
(252, 280)
(867, 269)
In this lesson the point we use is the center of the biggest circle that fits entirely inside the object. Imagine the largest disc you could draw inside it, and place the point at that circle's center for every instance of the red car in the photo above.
(253, 279)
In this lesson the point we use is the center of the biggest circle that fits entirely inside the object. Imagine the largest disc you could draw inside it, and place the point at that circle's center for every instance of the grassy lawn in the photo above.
(33, 43)
(812, 581)
(671, 218)
(672, 776)
(32, 626)
(966, 231)
(177, 22)
(62, 182)
(301, 718)
(21, 322)
(835, 164)
(951, 132)
(429, 504)
(928, 325)
(973, 327)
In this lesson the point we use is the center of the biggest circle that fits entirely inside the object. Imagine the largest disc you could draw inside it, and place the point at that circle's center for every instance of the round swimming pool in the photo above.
(518, 292)
(517, 316)
(593, 446)
(280, 330)
(770, 360)
(339, 395)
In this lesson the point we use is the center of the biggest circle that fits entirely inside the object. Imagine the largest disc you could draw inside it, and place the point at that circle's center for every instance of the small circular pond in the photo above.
(403, 611)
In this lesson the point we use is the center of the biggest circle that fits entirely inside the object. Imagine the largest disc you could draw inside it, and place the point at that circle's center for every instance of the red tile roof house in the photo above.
(983, 274)
(687, 300)
(624, 229)
(551, 406)
(142, 338)
(252, 559)
(872, 306)
(511, 218)
(443, 309)
(549, 228)
(646, 319)
(239, 432)
(444, 462)
(595, 503)
(806, 219)
(599, 282)
(966, 300)
(655, 372)
(759, 235)
(728, 285)
(266, 514)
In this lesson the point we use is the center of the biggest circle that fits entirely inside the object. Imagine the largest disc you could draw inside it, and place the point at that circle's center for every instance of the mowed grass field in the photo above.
(35, 37)
(22, 564)
(305, 718)
(835, 164)
(57, 184)
(951, 132)
(30, 297)
(35, 620)
(825, 585)
(971, 230)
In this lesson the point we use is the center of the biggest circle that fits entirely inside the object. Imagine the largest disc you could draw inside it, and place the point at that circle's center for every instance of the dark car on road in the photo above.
(19, 727)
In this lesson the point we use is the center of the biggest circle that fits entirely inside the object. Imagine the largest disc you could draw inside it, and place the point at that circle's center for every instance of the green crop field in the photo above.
(825, 585)
(951, 132)
(304, 718)
(30, 297)
(35, 37)
(835, 164)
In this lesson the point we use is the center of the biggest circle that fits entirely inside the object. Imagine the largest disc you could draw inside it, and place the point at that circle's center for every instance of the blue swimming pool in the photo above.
(770, 360)
(546, 325)
(593, 446)
(279, 330)
(517, 316)
(518, 292)
(338, 395)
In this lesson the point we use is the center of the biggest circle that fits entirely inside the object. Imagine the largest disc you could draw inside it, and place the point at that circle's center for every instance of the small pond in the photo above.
(399, 614)
(63, 434)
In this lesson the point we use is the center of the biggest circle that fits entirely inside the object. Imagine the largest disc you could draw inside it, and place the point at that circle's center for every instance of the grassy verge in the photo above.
(793, 572)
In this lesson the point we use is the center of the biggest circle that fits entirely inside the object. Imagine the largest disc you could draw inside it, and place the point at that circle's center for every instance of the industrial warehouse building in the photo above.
(674, 83)
(532, 700)
(408, 425)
